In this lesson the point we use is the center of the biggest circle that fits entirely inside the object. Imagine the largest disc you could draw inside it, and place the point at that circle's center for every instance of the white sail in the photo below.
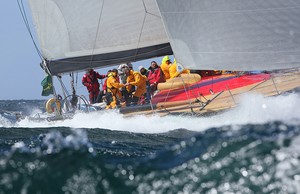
(204, 34)
(233, 34)
(77, 34)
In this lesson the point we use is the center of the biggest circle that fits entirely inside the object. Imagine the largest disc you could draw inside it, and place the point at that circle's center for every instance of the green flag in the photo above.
(47, 86)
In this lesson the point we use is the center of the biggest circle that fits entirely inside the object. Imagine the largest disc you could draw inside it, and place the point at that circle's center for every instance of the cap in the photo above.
(121, 66)
(140, 67)
(129, 65)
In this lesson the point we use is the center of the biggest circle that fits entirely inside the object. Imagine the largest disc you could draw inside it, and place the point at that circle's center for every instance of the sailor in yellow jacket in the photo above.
(135, 78)
(113, 92)
(175, 71)
(165, 65)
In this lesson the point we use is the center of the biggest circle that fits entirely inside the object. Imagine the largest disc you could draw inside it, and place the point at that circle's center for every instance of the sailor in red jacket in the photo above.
(155, 76)
(90, 80)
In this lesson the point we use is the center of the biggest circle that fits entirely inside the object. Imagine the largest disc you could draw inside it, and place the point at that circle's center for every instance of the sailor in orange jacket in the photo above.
(175, 70)
(135, 78)
(165, 65)
(113, 89)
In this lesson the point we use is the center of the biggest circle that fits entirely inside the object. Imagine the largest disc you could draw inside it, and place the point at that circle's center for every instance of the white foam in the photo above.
(4, 122)
(54, 142)
(253, 109)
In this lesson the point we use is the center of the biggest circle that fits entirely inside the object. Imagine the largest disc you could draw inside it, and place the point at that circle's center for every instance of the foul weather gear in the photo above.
(165, 64)
(156, 76)
(113, 91)
(90, 80)
(137, 79)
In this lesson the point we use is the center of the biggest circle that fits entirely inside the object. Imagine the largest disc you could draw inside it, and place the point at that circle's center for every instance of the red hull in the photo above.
(207, 85)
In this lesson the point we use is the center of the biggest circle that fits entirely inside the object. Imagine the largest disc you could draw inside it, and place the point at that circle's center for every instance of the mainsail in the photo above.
(234, 34)
(79, 34)
(202, 34)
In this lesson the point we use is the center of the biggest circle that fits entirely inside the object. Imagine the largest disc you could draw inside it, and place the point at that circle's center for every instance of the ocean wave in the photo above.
(252, 158)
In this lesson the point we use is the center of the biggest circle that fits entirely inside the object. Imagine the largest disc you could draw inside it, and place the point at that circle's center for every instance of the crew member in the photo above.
(90, 80)
(113, 86)
(123, 79)
(165, 65)
(135, 78)
(155, 76)
(147, 96)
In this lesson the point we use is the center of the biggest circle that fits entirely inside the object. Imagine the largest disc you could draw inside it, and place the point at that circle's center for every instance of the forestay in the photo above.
(79, 34)
(234, 34)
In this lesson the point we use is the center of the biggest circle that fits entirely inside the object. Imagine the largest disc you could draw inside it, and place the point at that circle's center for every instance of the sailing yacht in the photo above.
(231, 35)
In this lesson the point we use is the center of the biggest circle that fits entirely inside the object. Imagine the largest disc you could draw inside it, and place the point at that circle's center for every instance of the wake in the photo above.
(253, 109)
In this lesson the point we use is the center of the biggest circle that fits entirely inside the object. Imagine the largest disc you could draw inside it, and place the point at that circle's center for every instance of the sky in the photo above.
(20, 74)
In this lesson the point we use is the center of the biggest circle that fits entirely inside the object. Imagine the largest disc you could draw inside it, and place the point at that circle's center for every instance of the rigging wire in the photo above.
(23, 13)
(72, 83)
(92, 56)
(25, 19)
(76, 82)
(63, 85)
(140, 35)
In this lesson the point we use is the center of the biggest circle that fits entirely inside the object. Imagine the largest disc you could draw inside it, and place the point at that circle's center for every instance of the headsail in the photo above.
(75, 35)
(234, 34)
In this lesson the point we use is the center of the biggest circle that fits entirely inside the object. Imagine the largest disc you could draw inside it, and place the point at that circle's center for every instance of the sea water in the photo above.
(253, 148)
